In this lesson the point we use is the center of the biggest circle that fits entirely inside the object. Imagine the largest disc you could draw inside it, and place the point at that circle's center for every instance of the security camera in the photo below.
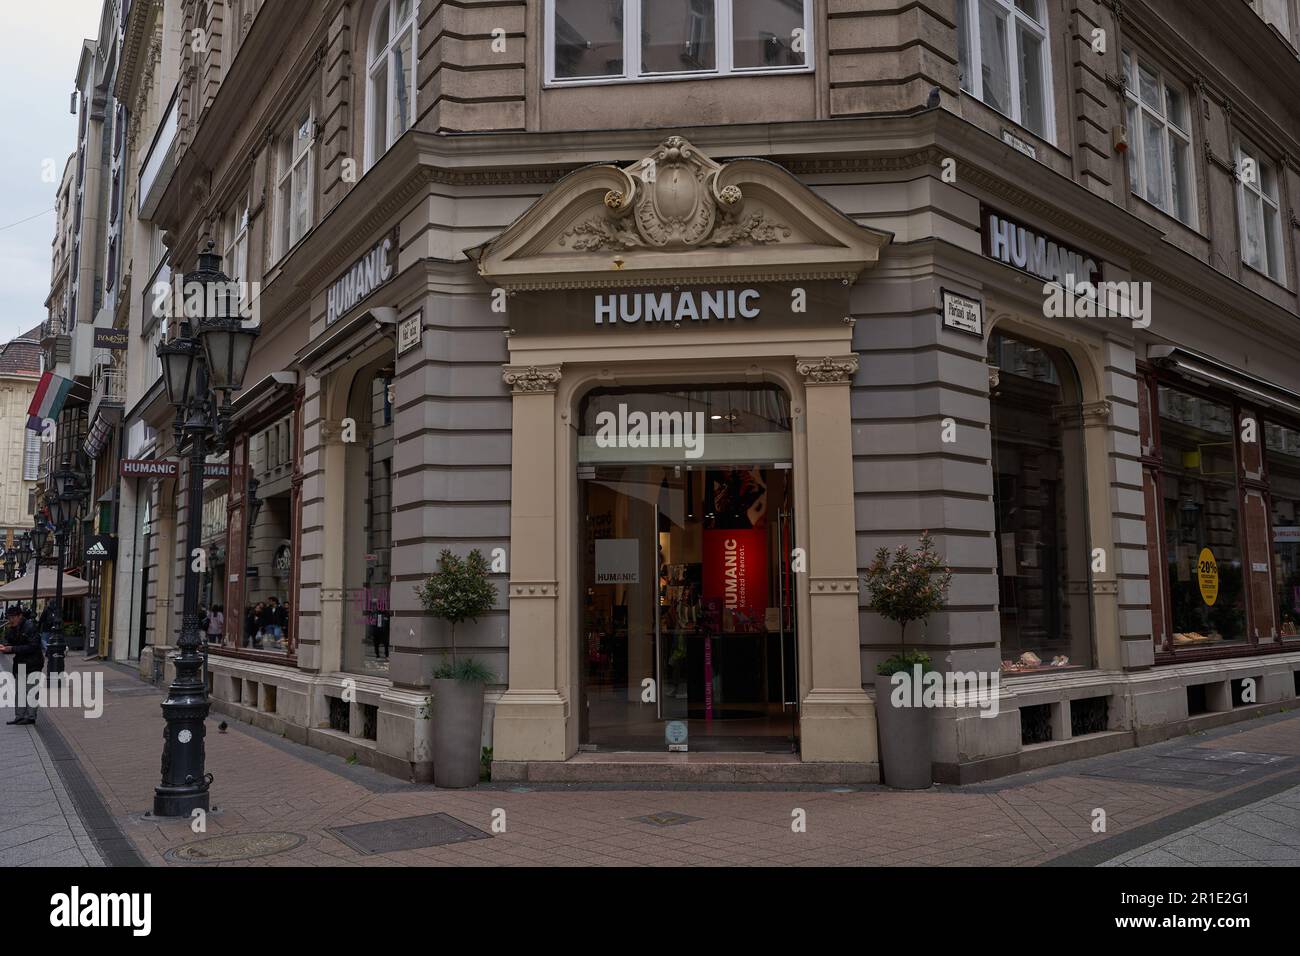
(385, 318)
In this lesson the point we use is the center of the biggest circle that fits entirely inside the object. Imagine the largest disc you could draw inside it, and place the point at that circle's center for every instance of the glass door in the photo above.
(688, 635)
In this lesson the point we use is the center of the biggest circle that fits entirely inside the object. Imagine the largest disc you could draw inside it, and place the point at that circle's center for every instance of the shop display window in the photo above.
(1282, 458)
(1202, 521)
(1040, 501)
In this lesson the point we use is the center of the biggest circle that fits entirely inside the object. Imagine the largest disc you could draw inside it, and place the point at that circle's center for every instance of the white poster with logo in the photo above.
(617, 561)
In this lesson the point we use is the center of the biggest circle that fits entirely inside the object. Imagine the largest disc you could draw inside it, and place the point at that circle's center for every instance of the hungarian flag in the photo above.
(48, 400)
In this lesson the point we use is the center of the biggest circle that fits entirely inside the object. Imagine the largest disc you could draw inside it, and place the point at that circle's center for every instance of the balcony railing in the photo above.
(108, 387)
(160, 162)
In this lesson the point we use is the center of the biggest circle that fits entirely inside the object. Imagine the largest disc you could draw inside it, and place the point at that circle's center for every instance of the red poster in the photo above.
(735, 577)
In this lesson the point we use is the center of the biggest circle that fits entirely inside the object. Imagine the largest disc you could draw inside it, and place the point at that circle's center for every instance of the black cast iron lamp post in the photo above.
(40, 532)
(63, 509)
(212, 359)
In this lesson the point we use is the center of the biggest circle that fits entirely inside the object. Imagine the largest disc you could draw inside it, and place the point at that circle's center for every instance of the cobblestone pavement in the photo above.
(289, 804)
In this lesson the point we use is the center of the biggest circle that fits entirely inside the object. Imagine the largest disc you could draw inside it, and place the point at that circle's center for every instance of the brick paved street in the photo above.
(267, 785)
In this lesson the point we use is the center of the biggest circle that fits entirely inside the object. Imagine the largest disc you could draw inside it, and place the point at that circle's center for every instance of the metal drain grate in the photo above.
(1209, 767)
(407, 833)
(665, 818)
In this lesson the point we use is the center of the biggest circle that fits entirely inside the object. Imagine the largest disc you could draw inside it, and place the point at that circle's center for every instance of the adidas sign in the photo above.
(97, 550)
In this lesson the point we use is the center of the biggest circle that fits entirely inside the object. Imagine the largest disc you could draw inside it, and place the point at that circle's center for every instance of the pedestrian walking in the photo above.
(216, 624)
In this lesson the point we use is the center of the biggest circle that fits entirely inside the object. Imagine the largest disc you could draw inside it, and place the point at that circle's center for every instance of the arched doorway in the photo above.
(687, 610)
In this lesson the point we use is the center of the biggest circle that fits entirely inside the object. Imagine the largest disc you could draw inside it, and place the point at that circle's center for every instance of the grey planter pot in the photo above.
(457, 714)
(904, 741)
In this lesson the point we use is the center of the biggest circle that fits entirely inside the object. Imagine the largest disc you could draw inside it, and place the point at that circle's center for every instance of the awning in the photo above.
(1213, 372)
(22, 588)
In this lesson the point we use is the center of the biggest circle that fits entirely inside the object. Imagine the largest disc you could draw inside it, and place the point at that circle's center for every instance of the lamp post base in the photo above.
(179, 804)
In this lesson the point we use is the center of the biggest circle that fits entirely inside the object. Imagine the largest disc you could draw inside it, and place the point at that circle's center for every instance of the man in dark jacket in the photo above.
(21, 640)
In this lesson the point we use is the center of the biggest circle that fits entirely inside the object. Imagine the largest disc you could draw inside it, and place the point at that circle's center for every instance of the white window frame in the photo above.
(234, 241)
(395, 32)
(724, 44)
(1169, 131)
(31, 455)
(288, 169)
(1270, 211)
(1015, 17)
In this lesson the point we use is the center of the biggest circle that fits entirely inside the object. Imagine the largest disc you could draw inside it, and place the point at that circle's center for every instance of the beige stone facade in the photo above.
(417, 269)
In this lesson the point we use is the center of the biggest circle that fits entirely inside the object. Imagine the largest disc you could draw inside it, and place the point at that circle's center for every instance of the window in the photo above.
(612, 40)
(1003, 59)
(1159, 139)
(391, 72)
(1282, 456)
(1275, 12)
(1261, 224)
(235, 254)
(1198, 489)
(296, 181)
(1040, 509)
(31, 455)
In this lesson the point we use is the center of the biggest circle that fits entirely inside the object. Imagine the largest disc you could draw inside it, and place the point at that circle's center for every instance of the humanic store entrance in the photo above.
(688, 610)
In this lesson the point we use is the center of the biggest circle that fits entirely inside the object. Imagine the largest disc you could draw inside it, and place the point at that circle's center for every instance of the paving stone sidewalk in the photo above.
(39, 825)
(277, 803)
(1264, 833)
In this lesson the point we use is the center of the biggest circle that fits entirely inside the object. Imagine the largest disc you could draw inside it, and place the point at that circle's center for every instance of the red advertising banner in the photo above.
(735, 577)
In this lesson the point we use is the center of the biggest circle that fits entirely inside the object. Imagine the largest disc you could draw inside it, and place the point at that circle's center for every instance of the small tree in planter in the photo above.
(459, 590)
(907, 586)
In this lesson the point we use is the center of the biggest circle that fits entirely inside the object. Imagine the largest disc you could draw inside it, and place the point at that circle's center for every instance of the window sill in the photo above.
(1038, 138)
(1144, 204)
(554, 84)
(1281, 284)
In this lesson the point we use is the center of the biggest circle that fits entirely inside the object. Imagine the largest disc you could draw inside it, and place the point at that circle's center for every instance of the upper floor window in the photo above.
(391, 75)
(1004, 60)
(295, 183)
(1276, 12)
(609, 40)
(1261, 222)
(1160, 141)
(235, 243)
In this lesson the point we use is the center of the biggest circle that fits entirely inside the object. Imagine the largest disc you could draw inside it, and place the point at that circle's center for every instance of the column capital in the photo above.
(526, 379)
(829, 370)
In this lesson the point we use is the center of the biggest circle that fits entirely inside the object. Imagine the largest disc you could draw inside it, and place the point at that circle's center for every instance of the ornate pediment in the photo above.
(677, 216)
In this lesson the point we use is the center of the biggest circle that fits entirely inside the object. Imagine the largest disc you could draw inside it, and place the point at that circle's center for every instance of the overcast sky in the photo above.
(39, 47)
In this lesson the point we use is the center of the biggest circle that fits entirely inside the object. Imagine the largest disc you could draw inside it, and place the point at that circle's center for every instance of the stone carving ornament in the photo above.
(672, 200)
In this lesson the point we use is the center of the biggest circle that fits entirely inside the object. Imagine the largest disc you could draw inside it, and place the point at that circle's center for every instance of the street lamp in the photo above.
(40, 534)
(65, 504)
(213, 358)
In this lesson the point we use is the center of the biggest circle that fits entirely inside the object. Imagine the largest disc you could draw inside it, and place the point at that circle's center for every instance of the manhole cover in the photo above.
(407, 833)
(665, 818)
(236, 846)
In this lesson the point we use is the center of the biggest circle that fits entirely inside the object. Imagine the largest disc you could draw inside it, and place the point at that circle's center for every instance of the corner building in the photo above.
(477, 230)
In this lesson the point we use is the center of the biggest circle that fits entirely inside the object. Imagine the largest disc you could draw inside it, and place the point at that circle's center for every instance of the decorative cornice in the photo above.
(838, 370)
(1086, 414)
(531, 379)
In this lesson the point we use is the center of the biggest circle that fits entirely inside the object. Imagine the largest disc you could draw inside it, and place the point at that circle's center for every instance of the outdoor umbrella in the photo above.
(22, 588)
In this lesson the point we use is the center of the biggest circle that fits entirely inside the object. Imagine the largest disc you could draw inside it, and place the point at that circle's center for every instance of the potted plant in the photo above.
(459, 590)
(907, 586)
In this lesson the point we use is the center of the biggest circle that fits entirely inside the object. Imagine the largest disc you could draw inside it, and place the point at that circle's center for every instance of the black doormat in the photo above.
(407, 833)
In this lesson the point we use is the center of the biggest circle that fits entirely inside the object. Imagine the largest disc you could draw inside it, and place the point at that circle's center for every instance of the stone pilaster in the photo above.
(531, 715)
(837, 719)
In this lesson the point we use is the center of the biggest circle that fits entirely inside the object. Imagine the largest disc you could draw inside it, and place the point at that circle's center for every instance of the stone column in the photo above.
(531, 715)
(837, 719)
